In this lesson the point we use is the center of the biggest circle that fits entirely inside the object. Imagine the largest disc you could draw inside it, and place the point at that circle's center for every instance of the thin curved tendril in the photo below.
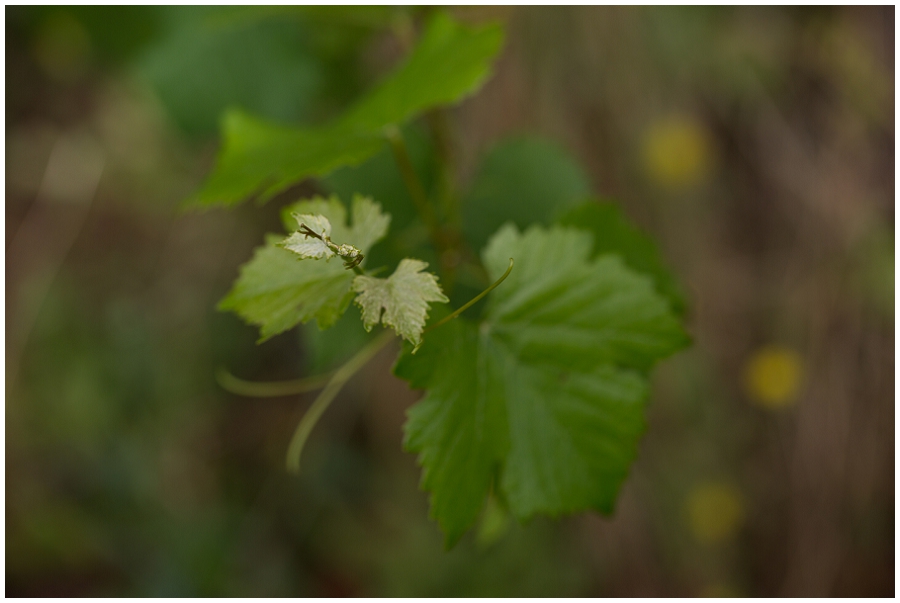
(321, 403)
(470, 303)
(269, 389)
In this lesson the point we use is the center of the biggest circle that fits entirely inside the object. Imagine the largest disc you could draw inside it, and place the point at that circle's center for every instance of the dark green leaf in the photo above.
(526, 180)
(614, 234)
(203, 66)
(547, 391)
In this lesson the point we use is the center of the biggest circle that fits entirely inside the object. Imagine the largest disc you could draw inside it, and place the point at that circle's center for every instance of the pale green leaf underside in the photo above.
(308, 247)
(368, 223)
(262, 158)
(276, 289)
(402, 297)
(547, 392)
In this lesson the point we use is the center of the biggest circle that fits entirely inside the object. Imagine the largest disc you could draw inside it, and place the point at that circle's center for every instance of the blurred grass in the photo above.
(755, 144)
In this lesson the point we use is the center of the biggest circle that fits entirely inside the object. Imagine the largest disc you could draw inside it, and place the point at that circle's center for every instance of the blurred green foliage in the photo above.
(131, 473)
(525, 180)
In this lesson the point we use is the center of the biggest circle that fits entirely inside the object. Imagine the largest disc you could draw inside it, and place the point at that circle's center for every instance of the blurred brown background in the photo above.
(756, 145)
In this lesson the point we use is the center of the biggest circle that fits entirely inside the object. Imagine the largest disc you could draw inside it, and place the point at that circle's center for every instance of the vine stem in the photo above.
(440, 130)
(321, 403)
(269, 389)
(472, 301)
(413, 185)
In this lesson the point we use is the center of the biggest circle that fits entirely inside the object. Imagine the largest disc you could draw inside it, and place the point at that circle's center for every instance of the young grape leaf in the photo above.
(379, 177)
(403, 297)
(369, 222)
(614, 234)
(306, 246)
(276, 289)
(262, 158)
(544, 397)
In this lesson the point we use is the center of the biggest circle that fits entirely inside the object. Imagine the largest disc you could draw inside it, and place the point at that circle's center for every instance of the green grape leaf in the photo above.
(614, 234)
(403, 297)
(369, 223)
(524, 179)
(450, 62)
(544, 398)
(308, 247)
(262, 158)
(277, 290)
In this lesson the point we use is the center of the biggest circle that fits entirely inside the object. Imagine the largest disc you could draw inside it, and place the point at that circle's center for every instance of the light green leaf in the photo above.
(262, 158)
(308, 247)
(403, 297)
(450, 62)
(277, 290)
(369, 223)
(543, 398)
(524, 179)
(614, 234)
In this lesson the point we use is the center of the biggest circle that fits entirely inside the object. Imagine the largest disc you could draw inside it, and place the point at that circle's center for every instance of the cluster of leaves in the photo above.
(535, 398)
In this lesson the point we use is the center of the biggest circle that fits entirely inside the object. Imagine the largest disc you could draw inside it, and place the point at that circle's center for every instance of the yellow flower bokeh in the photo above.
(773, 376)
(676, 153)
(715, 512)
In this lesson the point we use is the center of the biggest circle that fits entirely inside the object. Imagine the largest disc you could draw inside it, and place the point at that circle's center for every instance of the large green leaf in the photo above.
(262, 158)
(276, 290)
(544, 398)
(614, 234)
(524, 179)
(450, 62)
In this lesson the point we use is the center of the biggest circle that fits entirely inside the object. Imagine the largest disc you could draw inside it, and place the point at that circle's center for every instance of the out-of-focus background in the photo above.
(756, 145)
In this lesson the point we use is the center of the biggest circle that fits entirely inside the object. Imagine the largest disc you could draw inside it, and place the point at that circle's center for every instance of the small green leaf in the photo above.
(403, 297)
(614, 234)
(277, 290)
(369, 223)
(544, 397)
(262, 158)
(308, 247)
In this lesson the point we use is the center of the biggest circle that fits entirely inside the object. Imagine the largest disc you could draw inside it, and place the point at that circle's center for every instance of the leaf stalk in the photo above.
(323, 401)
